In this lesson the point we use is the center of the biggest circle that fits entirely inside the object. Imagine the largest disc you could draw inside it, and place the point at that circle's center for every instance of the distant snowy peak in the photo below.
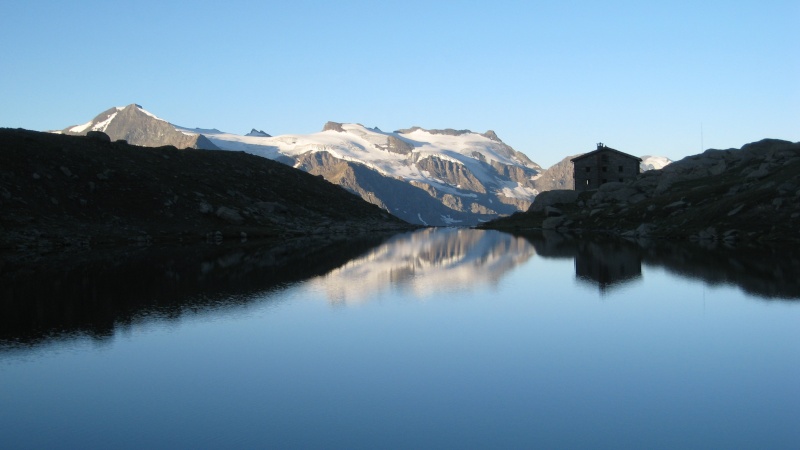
(138, 126)
(449, 132)
(654, 162)
(435, 177)
(256, 133)
(104, 119)
(99, 123)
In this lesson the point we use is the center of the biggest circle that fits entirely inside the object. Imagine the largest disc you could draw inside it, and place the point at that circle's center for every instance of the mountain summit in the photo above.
(427, 177)
(137, 126)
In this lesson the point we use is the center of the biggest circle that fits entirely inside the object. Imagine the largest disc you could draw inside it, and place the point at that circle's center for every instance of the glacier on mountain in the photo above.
(438, 177)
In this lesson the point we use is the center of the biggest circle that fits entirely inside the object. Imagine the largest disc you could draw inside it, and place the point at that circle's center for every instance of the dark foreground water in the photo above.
(441, 338)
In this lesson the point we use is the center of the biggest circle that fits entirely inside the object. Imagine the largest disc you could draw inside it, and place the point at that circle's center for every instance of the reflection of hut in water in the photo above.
(607, 265)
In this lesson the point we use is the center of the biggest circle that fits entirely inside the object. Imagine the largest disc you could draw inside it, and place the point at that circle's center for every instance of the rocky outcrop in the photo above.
(259, 133)
(492, 135)
(451, 173)
(333, 126)
(136, 127)
(752, 193)
(446, 131)
(397, 145)
(522, 175)
(558, 176)
(430, 205)
(553, 198)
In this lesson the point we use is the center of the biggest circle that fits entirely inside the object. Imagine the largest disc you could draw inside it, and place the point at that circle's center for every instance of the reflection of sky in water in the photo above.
(517, 355)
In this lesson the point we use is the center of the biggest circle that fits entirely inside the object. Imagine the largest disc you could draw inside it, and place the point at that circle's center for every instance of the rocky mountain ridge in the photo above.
(428, 177)
(61, 192)
(139, 127)
(752, 193)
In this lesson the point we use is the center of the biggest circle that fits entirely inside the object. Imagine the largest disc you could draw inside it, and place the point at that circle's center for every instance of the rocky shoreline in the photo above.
(747, 194)
(73, 193)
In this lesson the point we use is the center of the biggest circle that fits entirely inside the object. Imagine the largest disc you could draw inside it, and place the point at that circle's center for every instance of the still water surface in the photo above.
(439, 338)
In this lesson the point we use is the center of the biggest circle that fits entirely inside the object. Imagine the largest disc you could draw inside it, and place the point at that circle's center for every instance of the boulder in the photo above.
(229, 215)
(98, 136)
(552, 198)
(615, 192)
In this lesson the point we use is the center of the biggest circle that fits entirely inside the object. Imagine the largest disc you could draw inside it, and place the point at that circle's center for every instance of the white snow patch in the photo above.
(513, 189)
(101, 126)
(149, 113)
(449, 220)
(80, 128)
(654, 162)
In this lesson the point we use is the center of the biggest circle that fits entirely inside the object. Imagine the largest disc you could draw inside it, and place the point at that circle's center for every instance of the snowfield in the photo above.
(369, 147)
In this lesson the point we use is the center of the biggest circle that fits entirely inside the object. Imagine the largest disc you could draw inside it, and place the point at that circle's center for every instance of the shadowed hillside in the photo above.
(68, 192)
(752, 193)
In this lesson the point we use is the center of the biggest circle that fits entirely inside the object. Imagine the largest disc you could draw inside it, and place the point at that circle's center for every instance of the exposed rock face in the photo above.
(558, 176)
(454, 174)
(717, 196)
(551, 198)
(450, 186)
(397, 145)
(133, 125)
(492, 135)
(259, 133)
(521, 175)
(389, 193)
(446, 131)
(333, 126)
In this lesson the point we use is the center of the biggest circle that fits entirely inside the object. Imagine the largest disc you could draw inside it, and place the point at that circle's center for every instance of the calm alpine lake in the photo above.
(441, 338)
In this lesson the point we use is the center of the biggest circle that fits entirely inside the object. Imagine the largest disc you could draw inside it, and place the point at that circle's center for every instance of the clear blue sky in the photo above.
(551, 78)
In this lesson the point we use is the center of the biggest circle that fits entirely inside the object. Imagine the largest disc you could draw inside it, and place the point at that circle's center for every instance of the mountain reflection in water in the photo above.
(94, 295)
(54, 299)
(427, 262)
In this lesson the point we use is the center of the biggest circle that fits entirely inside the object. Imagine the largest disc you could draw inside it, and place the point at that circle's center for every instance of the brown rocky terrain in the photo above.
(60, 192)
(752, 193)
(557, 176)
(135, 126)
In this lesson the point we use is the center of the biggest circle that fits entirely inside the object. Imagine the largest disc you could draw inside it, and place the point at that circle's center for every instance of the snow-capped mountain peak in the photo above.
(138, 126)
(433, 177)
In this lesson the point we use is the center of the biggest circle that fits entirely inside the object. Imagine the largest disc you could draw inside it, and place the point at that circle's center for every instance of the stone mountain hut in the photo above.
(600, 166)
